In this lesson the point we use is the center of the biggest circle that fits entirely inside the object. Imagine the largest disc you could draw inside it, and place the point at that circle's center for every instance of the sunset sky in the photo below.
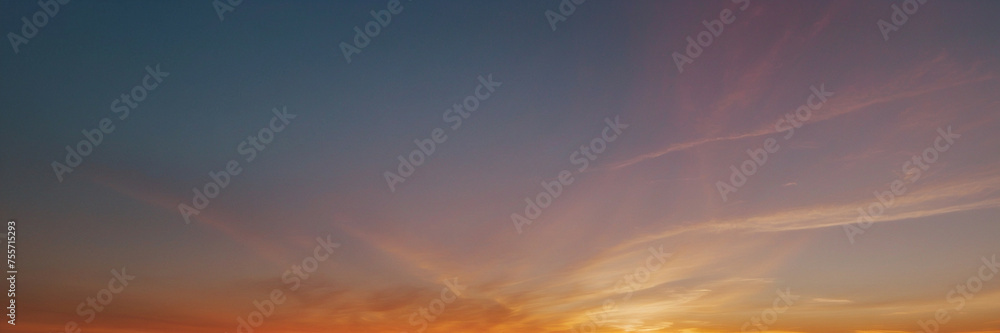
(642, 237)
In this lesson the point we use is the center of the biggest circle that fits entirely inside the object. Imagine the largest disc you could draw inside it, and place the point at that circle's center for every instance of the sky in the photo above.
(502, 166)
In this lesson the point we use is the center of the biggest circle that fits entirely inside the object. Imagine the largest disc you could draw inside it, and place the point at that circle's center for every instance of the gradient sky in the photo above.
(654, 186)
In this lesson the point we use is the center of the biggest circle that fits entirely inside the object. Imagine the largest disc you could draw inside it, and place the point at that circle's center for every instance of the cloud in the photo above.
(931, 76)
(832, 301)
